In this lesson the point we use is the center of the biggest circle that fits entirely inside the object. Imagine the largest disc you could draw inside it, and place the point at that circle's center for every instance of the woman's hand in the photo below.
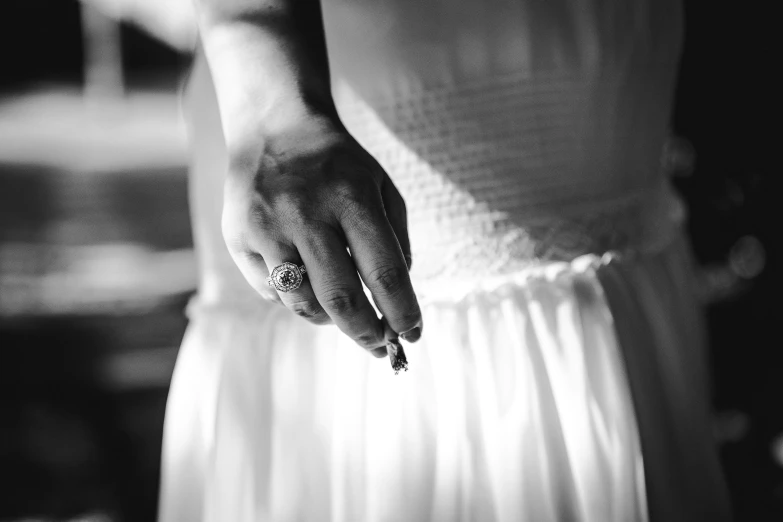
(300, 189)
(308, 199)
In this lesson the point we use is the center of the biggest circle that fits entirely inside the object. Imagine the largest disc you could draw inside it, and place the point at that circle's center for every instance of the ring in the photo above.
(286, 277)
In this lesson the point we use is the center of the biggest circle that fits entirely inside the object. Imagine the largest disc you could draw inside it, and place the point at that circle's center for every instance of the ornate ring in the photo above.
(286, 277)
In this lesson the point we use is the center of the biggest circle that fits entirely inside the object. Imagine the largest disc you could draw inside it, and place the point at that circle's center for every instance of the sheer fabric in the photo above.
(561, 376)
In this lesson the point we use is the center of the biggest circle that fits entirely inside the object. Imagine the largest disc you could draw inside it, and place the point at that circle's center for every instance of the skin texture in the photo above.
(299, 187)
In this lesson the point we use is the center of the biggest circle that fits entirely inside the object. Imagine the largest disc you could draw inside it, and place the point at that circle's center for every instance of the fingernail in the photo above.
(380, 353)
(409, 261)
(412, 335)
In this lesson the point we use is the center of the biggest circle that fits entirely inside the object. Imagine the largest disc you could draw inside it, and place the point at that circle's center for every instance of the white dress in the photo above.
(561, 374)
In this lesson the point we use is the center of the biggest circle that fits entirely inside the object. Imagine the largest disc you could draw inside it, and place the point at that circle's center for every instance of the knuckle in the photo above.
(310, 311)
(389, 279)
(341, 302)
(354, 194)
(295, 205)
(295, 198)
(235, 243)
(350, 189)
(369, 340)
(241, 223)
(261, 217)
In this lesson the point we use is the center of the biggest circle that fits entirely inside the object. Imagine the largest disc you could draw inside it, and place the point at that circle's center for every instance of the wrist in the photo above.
(266, 84)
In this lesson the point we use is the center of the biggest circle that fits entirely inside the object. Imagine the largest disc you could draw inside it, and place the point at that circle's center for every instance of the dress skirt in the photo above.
(570, 391)
(570, 388)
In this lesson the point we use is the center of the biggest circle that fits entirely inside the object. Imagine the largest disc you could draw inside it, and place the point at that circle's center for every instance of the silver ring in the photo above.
(286, 277)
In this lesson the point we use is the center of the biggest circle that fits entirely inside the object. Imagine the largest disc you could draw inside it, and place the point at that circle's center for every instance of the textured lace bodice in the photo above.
(518, 132)
(492, 187)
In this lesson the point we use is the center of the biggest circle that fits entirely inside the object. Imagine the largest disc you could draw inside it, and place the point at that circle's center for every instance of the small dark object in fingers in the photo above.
(396, 356)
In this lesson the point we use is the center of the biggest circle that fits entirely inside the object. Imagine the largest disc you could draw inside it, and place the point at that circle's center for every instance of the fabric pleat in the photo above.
(561, 376)
(517, 406)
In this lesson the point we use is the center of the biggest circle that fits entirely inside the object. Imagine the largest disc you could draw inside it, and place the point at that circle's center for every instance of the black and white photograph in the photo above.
(390, 261)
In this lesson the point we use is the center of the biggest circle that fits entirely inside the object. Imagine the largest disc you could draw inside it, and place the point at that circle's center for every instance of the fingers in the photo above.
(388, 335)
(256, 254)
(330, 292)
(397, 215)
(381, 264)
(255, 271)
(312, 224)
(338, 288)
(302, 300)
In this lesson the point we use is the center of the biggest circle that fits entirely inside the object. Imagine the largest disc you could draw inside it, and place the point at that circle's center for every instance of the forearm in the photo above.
(269, 64)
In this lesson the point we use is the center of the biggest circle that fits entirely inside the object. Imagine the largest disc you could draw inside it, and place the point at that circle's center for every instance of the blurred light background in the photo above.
(96, 260)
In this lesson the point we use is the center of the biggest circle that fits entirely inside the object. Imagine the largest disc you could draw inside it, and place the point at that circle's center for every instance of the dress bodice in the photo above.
(517, 131)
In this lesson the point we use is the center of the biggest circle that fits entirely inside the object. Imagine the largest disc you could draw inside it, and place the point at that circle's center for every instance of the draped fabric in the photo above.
(517, 406)
(561, 375)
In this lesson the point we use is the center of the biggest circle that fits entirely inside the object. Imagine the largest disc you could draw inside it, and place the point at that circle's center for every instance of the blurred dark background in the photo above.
(96, 260)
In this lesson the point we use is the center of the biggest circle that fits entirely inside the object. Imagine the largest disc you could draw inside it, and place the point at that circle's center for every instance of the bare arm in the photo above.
(269, 63)
(299, 187)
